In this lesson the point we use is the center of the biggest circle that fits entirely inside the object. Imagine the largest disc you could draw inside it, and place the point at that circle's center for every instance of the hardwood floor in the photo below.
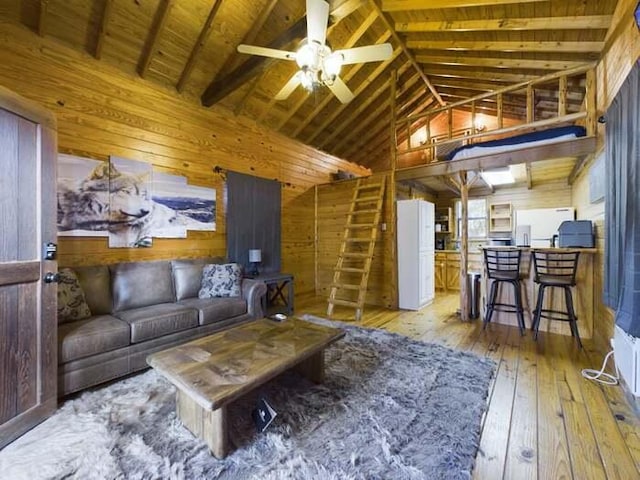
(544, 421)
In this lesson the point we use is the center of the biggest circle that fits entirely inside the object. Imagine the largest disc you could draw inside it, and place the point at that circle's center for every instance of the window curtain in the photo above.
(253, 220)
(622, 208)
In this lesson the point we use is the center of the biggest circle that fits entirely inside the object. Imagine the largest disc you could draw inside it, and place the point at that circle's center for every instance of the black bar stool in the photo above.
(556, 269)
(503, 266)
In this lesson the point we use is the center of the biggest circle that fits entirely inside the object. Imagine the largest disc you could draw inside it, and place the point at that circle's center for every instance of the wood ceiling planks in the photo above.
(446, 49)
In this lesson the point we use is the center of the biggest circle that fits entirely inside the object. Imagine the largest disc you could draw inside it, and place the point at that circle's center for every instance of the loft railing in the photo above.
(406, 128)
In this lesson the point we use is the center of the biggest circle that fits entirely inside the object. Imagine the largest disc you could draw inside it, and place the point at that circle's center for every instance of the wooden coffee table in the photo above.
(213, 371)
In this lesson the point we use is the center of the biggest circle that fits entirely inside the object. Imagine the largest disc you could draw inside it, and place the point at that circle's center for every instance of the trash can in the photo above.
(473, 284)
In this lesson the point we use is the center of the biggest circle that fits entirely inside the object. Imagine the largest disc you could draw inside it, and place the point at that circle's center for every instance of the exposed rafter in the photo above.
(351, 41)
(525, 64)
(102, 32)
(200, 43)
(162, 14)
(563, 47)
(388, 21)
(42, 17)
(509, 24)
(399, 5)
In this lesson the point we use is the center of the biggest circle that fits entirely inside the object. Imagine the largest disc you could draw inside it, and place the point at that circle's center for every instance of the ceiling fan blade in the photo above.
(371, 53)
(266, 52)
(317, 18)
(289, 87)
(340, 90)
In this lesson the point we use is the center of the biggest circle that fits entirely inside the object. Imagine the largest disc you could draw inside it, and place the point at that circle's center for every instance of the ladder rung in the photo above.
(345, 303)
(369, 185)
(350, 269)
(366, 199)
(345, 286)
(356, 212)
(361, 225)
(359, 240)
(354, 255)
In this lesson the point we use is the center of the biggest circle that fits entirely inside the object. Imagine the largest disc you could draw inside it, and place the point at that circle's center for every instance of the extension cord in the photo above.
(599, 375)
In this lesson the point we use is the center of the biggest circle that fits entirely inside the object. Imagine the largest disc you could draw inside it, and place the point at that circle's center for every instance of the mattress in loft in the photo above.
(516, 142)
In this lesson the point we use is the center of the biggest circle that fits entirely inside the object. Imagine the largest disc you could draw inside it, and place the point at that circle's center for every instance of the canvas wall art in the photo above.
(83, 197)
(130, 202)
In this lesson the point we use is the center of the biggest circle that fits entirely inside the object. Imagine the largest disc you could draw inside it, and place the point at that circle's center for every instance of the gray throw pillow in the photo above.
(221, 280)
(72, 304)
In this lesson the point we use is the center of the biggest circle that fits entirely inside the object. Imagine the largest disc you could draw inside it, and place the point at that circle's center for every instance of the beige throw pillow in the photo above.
(72, 305)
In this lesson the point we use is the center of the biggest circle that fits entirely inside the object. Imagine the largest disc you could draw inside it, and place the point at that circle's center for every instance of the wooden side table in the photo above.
(276, 301)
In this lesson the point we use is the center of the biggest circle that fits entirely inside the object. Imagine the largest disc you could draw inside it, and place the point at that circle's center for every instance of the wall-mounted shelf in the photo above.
(500, 217)
(444, 218)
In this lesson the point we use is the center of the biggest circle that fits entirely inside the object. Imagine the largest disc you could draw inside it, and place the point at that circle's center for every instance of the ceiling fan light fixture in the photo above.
(307, 79)
(331, 65)
(307, 55)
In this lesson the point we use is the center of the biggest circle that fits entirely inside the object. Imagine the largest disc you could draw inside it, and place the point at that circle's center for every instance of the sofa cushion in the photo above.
(96, 284)
(92, 336)
(221, 281)
(211, 310)
(72, 305)
(187, 275)
(158, 320)
(141, 284)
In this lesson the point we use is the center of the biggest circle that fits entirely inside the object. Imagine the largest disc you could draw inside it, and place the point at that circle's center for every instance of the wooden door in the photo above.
(28, 343)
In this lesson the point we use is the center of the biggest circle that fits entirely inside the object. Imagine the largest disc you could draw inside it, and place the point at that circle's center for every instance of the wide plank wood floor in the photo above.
(544, 421)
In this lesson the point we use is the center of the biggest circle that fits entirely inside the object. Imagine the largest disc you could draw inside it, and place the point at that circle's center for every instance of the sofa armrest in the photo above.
(253, 291)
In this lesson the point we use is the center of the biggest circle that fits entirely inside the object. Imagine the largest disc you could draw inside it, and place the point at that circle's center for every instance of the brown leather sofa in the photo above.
(140, 308)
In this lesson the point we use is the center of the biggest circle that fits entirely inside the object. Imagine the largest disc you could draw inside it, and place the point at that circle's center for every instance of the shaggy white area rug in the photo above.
(390, 408)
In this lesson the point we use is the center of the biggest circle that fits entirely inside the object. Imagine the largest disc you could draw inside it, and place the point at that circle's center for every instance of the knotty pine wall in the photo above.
(622, 51)
(333, 202)
(102, 111)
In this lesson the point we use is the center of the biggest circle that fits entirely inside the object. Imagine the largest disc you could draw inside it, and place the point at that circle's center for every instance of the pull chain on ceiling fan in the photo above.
(319, 65)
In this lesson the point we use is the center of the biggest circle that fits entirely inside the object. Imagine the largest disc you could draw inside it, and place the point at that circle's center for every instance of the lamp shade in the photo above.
(255, 255)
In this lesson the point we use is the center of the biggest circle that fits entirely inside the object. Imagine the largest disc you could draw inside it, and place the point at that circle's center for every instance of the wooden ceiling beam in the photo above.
(524, 64)
(417, 185)
(355, 113)
(388, 21)
(587, 22)
(351, 41)
(361, 88)
(236, 58)
(221, 86)
(200, 43)
(102, 32)
(42, 17)
(400, 5)
(540, 46)
(380, 120)
(162, 14)
(453, 71)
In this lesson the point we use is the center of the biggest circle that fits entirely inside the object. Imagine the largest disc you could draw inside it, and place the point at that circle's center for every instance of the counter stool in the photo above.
(503, 266)
(555, 269)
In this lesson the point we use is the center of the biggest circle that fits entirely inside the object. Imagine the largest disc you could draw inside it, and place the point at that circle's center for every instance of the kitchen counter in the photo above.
(542, 249)
(583, 293)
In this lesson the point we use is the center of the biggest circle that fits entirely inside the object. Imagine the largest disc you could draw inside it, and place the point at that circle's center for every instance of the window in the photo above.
(477, 218)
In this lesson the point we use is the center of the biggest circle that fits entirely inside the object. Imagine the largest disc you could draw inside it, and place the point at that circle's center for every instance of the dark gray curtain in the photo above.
(622, 209)
(253, 220)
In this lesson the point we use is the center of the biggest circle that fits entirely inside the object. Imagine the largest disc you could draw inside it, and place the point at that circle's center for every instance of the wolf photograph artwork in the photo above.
(124, 200)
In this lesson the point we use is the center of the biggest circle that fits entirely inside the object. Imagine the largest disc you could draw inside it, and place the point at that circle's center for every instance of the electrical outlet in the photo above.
(383, 227)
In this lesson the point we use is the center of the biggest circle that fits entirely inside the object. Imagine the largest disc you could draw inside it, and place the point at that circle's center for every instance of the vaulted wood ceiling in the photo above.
(444, 51)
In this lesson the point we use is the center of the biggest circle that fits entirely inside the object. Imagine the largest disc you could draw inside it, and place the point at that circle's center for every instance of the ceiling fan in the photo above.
(319, 65)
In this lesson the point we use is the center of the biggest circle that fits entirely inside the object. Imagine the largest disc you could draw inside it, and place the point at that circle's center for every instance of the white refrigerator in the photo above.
(544, 223)
(416, 256)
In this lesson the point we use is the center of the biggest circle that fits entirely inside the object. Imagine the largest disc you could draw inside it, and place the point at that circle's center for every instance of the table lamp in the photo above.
(255, 257)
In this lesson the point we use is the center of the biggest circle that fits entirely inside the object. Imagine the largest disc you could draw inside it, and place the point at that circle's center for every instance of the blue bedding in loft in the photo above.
(517, 141)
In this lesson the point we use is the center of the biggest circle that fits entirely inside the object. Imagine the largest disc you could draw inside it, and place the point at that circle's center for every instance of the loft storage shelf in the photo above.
(500, 217)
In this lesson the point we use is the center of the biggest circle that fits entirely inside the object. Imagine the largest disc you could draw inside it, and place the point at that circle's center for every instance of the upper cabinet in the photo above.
(500, 217)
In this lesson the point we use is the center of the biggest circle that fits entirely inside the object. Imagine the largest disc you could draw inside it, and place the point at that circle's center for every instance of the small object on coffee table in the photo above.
(211, 372)
(278, 317)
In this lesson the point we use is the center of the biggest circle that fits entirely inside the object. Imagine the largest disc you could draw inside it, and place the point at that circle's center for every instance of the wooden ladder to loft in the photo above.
(358, 243)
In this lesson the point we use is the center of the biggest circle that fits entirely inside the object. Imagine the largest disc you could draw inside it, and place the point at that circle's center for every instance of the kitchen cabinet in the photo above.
(447, 268)
(415, 241)
(500, 217)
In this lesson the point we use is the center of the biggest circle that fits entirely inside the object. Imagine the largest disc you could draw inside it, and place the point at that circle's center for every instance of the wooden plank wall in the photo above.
(333, 205)
(621, 53)
(102, 111)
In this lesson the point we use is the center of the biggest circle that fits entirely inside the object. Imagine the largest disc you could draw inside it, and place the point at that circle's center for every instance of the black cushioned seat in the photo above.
(92, 336)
